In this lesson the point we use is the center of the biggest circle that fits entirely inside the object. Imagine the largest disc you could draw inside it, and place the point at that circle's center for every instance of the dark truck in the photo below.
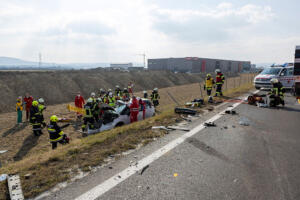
(297, 72)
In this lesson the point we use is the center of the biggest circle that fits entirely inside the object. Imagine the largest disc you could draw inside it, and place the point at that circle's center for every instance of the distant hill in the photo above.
(15, 63)
(7, 61)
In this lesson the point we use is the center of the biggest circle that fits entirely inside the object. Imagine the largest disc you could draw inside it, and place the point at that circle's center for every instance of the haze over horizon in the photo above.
(117, 31)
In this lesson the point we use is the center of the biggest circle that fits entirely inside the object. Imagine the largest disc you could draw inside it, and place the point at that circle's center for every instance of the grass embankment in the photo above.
(52, 167)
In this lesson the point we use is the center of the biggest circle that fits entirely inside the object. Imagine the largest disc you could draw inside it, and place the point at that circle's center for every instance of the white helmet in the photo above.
(274, 80)
(155, 89)
(117, 86)
(110, 94)
(144, 91)
(90, 100)
(41, 100)
(218, 70)
(109, 90)
(93, 94)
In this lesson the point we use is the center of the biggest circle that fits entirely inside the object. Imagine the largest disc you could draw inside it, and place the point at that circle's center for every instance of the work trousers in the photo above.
(133, 117)
(19, 118)
(219, 90)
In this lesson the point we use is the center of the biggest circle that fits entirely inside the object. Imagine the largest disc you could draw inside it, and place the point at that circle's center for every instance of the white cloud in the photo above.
(98, 30)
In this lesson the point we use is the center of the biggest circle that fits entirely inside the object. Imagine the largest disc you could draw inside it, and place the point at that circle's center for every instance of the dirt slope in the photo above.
(61, 86)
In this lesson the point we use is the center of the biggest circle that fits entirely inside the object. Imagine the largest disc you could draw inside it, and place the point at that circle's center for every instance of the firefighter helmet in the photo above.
(53, 118)
(35, 103)
(274, 80)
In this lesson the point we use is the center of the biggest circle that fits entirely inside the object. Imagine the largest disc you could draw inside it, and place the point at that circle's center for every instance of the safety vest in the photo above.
(112, 101)
(220, 78)
(55, 133)
(209, 83)
(19, 106)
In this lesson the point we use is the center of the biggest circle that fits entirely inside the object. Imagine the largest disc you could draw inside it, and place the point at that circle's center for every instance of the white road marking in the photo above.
(110, 183)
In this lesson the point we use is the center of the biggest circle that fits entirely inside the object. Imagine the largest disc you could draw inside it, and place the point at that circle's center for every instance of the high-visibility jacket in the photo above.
(220, 78)
(111, 101)
(88, 110)
(55, 132)
(155, 96)
(19, 106)
(35, 117)
(209, 83)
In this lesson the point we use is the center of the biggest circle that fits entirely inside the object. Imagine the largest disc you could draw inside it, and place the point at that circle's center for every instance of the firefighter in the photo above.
(145, 94)
(93, 97)
(96, 109)
(155, 97)
(56, 135)
(126, 95)
(111, 100)
(35, 119)
(143, 107)
(134, 110)
(118, 91)
(209, 83)
(102, 92)
(42, 107)
(219, 82)
(276, 95)
(88, 117)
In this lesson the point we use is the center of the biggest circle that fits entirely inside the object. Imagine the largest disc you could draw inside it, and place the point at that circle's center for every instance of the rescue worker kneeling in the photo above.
(56, 135)
(276, 95)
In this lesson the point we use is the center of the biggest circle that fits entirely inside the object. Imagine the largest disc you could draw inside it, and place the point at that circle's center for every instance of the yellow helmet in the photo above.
(35, 103)
(208, 75)
(53, 118)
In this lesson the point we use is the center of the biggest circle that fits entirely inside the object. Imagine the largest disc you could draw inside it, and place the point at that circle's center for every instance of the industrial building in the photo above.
(198, 65)
(121, 65)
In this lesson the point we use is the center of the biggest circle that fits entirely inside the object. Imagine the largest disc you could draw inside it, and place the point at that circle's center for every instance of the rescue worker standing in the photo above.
(276, 94)
(143, 107)
(155, 97)
(79, 103)
(134, 110)
(19, 109)
(145, 94)
(111, 100)
(35, 119)
(56, 135)
(28, 102)
(118, 92)
(208, 85)
(219, 82)
(126, 95)
(42, 107)
(88, 118)
(130, 88)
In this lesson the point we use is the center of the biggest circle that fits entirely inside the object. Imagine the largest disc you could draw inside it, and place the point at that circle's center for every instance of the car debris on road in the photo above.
(210, 124)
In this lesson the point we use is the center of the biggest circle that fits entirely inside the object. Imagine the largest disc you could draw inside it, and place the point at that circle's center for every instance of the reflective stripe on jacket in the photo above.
(55, 132)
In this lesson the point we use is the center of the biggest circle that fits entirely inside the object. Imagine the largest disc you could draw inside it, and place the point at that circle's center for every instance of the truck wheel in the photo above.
(257, 88)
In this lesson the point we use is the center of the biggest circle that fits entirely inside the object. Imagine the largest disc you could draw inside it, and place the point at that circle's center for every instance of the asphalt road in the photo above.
(230, 161)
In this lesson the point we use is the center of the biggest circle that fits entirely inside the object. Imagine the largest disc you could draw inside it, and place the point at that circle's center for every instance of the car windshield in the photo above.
(272, 71)
(120, 109)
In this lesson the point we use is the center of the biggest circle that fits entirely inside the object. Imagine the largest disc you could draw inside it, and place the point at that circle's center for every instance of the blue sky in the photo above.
(67, 31)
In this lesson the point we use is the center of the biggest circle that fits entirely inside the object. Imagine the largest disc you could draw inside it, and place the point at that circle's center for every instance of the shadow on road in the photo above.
(291, 109)
(207, 149)
(28, 144)
(14, 129)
